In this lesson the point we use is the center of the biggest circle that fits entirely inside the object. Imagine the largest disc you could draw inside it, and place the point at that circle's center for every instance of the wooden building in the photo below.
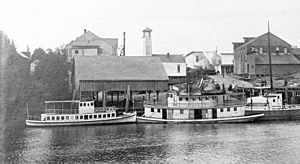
(114, 74)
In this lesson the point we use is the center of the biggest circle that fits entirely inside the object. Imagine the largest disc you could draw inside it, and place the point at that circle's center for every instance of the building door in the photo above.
(198, 114)
(214, 113)
(164, 113)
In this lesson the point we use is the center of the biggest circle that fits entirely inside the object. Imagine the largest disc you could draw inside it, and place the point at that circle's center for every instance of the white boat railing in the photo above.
(196, 105)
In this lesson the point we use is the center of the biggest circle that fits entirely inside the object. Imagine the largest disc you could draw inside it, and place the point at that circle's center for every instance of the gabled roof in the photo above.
(260, 37)
(170, 58)
(209, 55)
(90, 38)
(119, 68)
(276, 59)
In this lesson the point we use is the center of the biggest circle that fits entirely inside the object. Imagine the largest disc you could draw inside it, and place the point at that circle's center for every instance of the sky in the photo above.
(179, 26)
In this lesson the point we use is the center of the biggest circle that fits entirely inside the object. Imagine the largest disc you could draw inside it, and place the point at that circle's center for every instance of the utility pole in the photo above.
(270, 58)
(123, 43)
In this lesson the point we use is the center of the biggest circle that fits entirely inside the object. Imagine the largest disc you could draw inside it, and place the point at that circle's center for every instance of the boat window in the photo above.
(186, 99)
(87, 104)
(92, 104)
(112, 115)
(235, 108)
(86, 117)
(152, 109)
(84, 104)
(206, 98)
(181, 111)
(67, 117)
(170, 95)
(108, 115)
(104, 115)
(194, 99)
(99, 116)
(57, 118)
(221, 110)
(95, 116)
(228, 109)
(52, 118)
(80, 104)
(180, 98)
(278, 97)
(62, 117)
(76, 117)
(90, 116)
(158, 110)
(273, 100)
(81, 117)
(199, 98)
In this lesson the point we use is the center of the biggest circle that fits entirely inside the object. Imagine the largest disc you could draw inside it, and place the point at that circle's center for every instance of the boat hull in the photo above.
(241, 119)
(131, 118)
(277, 115)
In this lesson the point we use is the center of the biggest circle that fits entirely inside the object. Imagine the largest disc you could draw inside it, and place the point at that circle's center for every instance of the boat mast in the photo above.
(270, 60)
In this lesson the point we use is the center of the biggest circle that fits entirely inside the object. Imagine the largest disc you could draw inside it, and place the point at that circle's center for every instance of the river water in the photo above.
(275, 142)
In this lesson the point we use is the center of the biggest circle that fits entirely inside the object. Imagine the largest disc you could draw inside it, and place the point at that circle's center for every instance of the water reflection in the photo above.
(158, 143)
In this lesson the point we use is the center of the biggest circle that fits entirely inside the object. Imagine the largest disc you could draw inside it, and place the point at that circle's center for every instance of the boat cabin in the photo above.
(75, 111)
(183, 106)
(273, 99)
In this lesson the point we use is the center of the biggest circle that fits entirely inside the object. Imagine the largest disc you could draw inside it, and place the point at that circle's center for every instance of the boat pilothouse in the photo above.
(181, 107)
(60, 113)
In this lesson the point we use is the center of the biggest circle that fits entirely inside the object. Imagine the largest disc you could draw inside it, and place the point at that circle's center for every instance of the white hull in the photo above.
(240, 119)
(130, 118)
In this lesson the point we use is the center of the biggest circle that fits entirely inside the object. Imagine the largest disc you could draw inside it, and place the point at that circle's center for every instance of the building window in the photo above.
(186, 99)
(261, 50)
(158, 110)
(273, 100)
(221, 110)
(285, 50)
(76, 52)
(86, 117)
(197, 58)
(152, 109)
(180, 98)
(99, 51)
(181, 111)
(235, 108)
(178, 68)
(228, 109)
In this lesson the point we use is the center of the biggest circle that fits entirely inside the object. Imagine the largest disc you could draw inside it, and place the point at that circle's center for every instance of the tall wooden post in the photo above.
(157, 94)
(112, 96)
(103, 99)
(127, 99)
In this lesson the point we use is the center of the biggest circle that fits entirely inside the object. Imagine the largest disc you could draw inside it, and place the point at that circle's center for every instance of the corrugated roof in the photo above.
(170, 58)
(276, 59)
(138, 68)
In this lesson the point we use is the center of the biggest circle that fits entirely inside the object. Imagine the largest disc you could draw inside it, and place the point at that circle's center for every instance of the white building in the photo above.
(174, 65)
(90, 44)
(226, 65)
(204, 59)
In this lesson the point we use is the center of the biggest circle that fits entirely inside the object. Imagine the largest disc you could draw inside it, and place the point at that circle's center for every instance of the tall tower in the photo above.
(147, 42)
